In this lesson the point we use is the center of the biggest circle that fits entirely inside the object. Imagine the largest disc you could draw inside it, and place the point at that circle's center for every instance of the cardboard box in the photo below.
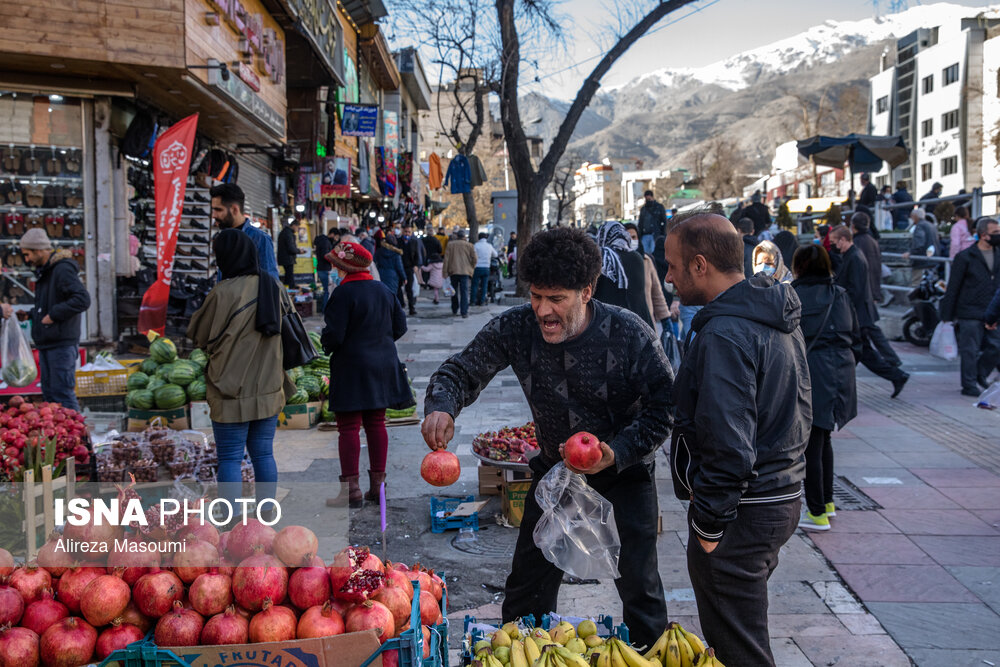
(512, 496)
(490, 480)
(300, 416)
(177, 419)
(201, 417)
(347, 650)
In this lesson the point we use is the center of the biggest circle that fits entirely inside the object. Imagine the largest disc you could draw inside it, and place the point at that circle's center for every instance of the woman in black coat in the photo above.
(363, 321)
(833, 348)
(622, 281)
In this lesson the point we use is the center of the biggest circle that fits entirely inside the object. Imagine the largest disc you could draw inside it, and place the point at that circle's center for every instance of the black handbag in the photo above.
(296, 346)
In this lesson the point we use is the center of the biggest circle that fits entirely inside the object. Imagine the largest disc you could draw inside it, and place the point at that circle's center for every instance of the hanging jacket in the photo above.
(477, 171)
(459, 175)
(434, 171)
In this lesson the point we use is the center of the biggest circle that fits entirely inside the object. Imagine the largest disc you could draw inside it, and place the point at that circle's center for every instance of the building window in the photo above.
(949, 74)
(926, 171)
(927, 84)
(927, 127)
(949, 166)
(882, 104)
(949, 121)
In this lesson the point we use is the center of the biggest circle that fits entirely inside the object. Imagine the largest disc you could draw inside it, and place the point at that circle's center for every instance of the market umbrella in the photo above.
(863, 152)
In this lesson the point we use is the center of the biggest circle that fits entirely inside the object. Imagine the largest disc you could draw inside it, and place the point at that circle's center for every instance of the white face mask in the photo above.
(633, 244)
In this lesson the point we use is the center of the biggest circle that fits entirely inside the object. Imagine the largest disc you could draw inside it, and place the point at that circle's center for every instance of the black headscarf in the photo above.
(236, 256)
(787, 244)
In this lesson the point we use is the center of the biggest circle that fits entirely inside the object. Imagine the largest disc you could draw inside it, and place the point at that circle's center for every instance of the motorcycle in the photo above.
(922, 318)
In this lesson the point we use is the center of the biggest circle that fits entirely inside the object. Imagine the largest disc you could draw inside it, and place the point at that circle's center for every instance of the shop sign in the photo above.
(263, 42)
(359, 120)
(240, 93)
(317, 20)
(337, 178)
(249, 77)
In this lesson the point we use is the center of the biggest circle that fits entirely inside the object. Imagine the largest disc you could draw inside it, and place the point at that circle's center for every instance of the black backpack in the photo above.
(140, 136)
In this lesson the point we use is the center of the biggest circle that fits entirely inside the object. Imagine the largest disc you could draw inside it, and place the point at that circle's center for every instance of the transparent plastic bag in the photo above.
(943, 344)
(19, 368)
(577, 530)
(990, 398)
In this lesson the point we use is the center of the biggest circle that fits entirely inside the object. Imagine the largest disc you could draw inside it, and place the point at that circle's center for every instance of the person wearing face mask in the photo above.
(656, 303)
(622, 281)
(767, 260)
(975, 278)
(853, 277)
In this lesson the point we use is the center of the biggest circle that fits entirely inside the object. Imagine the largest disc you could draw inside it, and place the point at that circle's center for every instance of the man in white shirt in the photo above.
(481, 276)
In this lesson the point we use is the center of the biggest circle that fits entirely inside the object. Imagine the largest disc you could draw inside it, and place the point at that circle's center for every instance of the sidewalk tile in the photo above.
(862, 651)
(938, 522)
(793, 597)
(940, 626)
(962, 477)
(787, 654)
(966, 550)
(991, 516)
(805, 625)
(944, 459)
(983, 581)
(861, 624)
(863, 460)
(904, 583)
(857, 475)
(909, 497)
(954, 658)
(859, 521)
(876, 549)
(975, 498)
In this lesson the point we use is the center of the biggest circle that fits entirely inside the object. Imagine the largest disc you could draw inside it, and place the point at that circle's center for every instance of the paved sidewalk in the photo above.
(918, 578)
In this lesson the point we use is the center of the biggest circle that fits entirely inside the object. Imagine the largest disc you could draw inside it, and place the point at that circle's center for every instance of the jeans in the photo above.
(57, 374)
(872, 358)
(460, 301)
(730, 584)
(819, 471)
(978, 351)
(687, 314)
(480, 281)
(349, 440)
(533, 584)
(257, 438)
(648, 241)
(323, 277)
(289, 279)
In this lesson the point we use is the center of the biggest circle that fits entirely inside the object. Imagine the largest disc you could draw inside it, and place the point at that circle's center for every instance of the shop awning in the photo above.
(363, 12)
(372, 44)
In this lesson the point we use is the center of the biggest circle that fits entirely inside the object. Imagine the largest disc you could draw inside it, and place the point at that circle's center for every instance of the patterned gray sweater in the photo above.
(613, 380)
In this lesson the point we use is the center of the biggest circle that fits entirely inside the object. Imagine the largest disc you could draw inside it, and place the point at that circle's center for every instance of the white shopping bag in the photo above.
(943, 344)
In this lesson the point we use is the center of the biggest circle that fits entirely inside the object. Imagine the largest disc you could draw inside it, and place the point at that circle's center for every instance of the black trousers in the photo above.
(730, 584)
(411, 277)
(533, 584)
(978, 351)
(819, 470)
(882, 345)
(872, 358)
(289, 274)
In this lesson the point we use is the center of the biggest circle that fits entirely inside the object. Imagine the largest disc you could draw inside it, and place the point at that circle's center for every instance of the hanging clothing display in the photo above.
(385, 172)
(459, 175)
(434, 174)
(364, 173)
(405, 173)
(477, 171)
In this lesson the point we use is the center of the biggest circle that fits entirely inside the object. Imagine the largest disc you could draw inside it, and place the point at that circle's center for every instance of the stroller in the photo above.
(494, 286)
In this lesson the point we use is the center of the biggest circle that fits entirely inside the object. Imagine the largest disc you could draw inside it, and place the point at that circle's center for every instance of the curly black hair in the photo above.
(561, 258)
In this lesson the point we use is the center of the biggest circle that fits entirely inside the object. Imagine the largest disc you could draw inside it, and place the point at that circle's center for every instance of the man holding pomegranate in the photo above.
(599, 387)
(742, 423)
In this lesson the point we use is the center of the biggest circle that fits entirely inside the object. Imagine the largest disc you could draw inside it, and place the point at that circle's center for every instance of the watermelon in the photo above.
(148, 366)
(140, 399)
(199, 357)
(326, 415)
(137, 380)
(317, 341)
(163, 372)
(155, 383)
(400, 414)
(163, 350)
(196, 390)
(295, 373)
(169, 396)
(183, 372)
(310, 384)
(299, 397)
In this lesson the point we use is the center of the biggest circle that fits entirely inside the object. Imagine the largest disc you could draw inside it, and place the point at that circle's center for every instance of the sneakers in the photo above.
(830, 510)
(812, 522)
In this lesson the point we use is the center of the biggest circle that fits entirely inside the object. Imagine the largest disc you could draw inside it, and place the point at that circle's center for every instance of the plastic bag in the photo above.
(18, 365)
(415, 289)
(943, 345)
(671, 347)
(448, 291)
(577, 531)
(990, 398)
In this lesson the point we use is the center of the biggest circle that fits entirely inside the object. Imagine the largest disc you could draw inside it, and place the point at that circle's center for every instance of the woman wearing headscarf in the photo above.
(389, 260)
(623, 273)
(364, 319)
(787, 244)
(656, 302)
(767, 260)
(238, 327)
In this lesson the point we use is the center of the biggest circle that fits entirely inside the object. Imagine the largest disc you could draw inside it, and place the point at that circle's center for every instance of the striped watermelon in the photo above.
(137, 380)
(163, 350)
(169, 396)
(183, 372)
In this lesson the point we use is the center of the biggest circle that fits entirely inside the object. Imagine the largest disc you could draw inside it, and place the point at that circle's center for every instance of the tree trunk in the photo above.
(470, 215)
(529, 221)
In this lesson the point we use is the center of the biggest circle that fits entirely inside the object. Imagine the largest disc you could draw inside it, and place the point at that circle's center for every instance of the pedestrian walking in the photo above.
(876, 353)
(745, 227)
(60, 299)
(767, 259)
(656, 302)
(869, 247)
(933, 193)
(975, 279)
(485, 252)
(759, 213)
(288, 251)
(238, 327)
(363, 321)
(787, 245)
(322, 245)
(228, 203)
(868, 196)
(583, 366)
(901, 215)
(389, 261)
(510, 252)
(413, 260)
(961, 234)
(652, 221)
(622, 281)
(435, 264)
(833, 348)
(742, 424)
(459, 264)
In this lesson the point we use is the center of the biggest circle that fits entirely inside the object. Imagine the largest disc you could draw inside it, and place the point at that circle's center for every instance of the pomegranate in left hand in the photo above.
(440, 468)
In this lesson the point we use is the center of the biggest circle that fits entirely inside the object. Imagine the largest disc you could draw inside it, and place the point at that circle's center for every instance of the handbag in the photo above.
(296, 346)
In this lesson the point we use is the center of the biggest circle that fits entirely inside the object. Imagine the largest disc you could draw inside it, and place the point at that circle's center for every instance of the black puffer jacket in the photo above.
(60, 295)
(743, 405)
(971, 286)
(852, 275)
(833, 352)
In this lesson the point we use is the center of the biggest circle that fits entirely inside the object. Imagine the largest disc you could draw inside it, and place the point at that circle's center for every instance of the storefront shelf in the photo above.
(36, 179)
(17, 208)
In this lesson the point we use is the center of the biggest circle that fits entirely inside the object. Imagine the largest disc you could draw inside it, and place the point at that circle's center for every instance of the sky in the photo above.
(721, 29)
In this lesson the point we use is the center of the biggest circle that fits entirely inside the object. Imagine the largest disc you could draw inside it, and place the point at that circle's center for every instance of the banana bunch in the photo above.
(677, 647)
(616, 653)
(708, 659)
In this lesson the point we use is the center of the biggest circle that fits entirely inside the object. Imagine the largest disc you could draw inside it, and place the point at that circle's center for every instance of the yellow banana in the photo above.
(617, 659)
(658, 648)
(694, 640)
(531, 651)
(710, 660)
(603, 654)
(655, 662)
(686, 652)
(673, 654)
(569, 657)
(517, 655)
(631, 656)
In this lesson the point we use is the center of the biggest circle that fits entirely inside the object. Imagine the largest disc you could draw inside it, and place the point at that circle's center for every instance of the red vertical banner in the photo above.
(171, 161)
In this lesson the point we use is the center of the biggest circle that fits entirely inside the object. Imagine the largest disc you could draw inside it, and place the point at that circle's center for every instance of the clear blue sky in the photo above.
(717, 32)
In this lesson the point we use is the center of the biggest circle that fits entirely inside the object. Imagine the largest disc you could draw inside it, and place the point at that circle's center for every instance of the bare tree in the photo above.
(563, 181)
(722, 170)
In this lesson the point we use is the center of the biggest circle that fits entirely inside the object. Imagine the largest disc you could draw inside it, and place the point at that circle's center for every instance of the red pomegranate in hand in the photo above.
(440, 468)
(582, 450)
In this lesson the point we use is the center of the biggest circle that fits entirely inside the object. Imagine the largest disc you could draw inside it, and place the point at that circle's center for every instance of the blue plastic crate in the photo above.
(143, 653)
(410, 643)
(442, 507)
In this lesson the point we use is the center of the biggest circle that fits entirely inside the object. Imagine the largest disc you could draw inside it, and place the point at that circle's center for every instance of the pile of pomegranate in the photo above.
(25, 424)
(250, 584)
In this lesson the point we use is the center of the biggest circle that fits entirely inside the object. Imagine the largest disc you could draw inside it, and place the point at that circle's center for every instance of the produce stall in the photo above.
(503, 467)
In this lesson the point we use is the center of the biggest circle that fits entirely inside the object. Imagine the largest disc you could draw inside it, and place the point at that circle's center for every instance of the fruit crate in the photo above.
(441, 508)
(470, 635)
(104, 383)
(143, 653)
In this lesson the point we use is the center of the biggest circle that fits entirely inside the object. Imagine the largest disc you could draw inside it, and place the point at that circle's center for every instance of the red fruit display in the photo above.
(397, 601)
(104, 599)
(226, 628)
(68, 643)
(197, 557)
(426, 632)
(18, 647)
(211, 593)
(201, 531)
(440, 468)
(371, 615)
(11, 604)
(259, 577)
(30, 581)
(117, 637)
(308, 587)
(179, 627)
(295, 546)
(508, 444)
(6, 563)
(55, 562)
(133, 564)
(42, 614)
(583, 450)
(399, 578)
(360, 586)
(155, 593)
(73, 583)
(437, 586)
(355, 574)
(133, 616)
(247, 538)
(273, 624)
(319, 621)
(429, 609)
